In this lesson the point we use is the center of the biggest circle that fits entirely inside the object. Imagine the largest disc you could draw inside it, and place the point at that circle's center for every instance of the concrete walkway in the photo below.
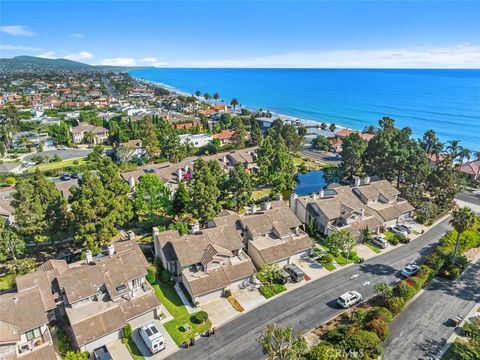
(185, 301)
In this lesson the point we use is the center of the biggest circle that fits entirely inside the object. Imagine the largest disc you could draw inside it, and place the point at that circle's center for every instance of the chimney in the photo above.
(111, 249)
(185, 168)
(314, 196)
(253, 209)
(357, 181)
(88, 257)
(179, 173)
(225, 159)
(293, 202)
(367, 179)
(195, 228)
(322, 193)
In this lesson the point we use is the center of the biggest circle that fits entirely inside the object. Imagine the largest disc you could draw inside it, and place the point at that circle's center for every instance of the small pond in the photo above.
(310, 182)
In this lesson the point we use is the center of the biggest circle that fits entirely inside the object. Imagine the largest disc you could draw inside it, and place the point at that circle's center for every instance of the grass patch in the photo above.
(7, 281)
(388, 235)
(235, 304)
(342, 260)
(260, 193)
(57, 165)
(174, 305)
(268, 290)
(374, 248)
(134, 350)
(329, 266)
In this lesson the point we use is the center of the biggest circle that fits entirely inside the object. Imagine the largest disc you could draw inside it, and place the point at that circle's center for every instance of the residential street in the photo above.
(470, 197)
(421, 330)
(309, 305)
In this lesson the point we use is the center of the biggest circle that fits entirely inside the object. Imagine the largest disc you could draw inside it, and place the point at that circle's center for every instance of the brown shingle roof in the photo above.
(140, 305)
(41, 280)
(81, 282)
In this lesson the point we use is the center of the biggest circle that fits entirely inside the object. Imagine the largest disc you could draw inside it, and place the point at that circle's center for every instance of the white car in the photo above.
(410, 270)
(379, 242)
(399, 230)
(349, 299)
(152, 338)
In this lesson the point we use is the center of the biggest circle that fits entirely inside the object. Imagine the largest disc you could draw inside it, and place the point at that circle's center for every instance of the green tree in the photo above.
(340, 240)
(216, 96)
(239, 138)
(181, 201)
(282, 344)
(76, 355)
(151, 197)
(443, 184)
(239, 186)
(384, 290)
(149, 136)
(353, 148)
(321, 143)
(332, 127)
(207, 96)
(256, 135)
(271, 272)
(205, 189)
(11, 245)
(462, 219)
(198, 93)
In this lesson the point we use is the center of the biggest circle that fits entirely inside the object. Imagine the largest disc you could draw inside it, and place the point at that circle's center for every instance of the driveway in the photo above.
(421, 330)
(118, 351)
(170, 346)
(310, 305)
(219, 311)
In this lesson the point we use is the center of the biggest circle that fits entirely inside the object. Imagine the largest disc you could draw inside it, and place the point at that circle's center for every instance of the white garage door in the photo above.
(211, 295)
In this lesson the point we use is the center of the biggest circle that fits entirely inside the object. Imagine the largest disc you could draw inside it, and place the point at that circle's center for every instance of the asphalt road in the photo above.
(421, 330)
(311, 304)
(325, 156)
(64, 154)
(471, 197)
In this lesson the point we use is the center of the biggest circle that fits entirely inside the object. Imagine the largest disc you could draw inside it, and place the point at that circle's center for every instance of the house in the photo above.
(206, 261)
(100, 295)
(132, 150)
(99, 134)
(24, 329)
(434, 160)
(471, 170)
(273, 234)
(225, 136)
(196, 140)
(365, 205)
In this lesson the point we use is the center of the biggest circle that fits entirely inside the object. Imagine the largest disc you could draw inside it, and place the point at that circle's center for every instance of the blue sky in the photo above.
(441, 34)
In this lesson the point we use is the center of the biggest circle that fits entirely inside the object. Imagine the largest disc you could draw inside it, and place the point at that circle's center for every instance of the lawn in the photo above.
(172, 302)
(7, 281)
(388, 235)
(134, 350)
(328, 266)
(374, 248)
(260, 193)
(57, 165)
(268, 290)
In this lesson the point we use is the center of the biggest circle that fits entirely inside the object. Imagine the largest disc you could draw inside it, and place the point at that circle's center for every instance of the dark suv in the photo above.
(296, 274)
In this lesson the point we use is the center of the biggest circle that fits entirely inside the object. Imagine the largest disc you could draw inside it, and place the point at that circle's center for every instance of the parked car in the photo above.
(410, 270)
(65, 177)
(405, 227)
(102, 354)
(379, 242)
(152, 338)
(349, 299)
(296, 274)
(284, 278)
(398, 230)
(74, 176)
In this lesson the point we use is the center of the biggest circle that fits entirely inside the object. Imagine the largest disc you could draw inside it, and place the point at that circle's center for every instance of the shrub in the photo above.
(366, 341)
(394, 240)
(462, 262)
(10, 180)
(395, 304)
(227, 293)
(327, 259)
(338, 334)
(199, 317)
(380, 327)
(127, 331)
(421, 219)
(402, 238)
(379, 313)
(406, 291)
(151, 276)
(453, 272)
(322, 351)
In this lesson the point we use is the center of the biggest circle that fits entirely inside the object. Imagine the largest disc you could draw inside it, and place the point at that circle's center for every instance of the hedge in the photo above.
(199, 317)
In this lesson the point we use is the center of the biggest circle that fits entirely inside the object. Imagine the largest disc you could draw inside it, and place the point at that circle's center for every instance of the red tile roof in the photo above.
(225, 134)
(344, 132)
(472, 167)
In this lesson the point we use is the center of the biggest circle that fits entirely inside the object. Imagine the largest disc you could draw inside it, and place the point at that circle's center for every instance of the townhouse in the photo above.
(365, 205)
(87, 133)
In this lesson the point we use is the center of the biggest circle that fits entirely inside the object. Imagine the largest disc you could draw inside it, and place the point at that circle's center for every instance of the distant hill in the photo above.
(32, 63)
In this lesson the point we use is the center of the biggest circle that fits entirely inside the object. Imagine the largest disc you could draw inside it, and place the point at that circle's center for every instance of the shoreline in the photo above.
(309, 123)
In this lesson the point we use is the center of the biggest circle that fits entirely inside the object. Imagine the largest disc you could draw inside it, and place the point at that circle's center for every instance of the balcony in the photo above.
(44, 339)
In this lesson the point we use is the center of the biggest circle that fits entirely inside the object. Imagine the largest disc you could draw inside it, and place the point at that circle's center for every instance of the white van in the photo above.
(152, 338)
(348, 299)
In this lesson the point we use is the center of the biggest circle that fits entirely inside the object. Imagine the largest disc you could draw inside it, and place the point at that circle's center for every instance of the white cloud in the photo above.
(119, 62)
(82, 55)
(76, 36)
(48, 55)
(16, 30)
(460, 56)
(19, 48)
(149, 60)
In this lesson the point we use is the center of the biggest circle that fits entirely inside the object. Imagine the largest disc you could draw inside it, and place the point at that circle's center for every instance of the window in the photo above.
(137, 283)
(33, 334)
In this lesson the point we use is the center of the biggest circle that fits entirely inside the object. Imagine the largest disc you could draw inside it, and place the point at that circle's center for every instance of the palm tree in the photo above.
(271, 272)
(89, 137)
(216, 96)
(462, 220)
(234, 103)
(463, 153)
(207, 96)
(453, 148)
(429, 140)
(198, 93)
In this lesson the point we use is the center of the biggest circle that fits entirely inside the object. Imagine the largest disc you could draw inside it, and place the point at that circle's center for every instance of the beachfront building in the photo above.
(207, 261)
(87, 133)
(196, 140)
(471, 170)
(273, 235)
(365, 205)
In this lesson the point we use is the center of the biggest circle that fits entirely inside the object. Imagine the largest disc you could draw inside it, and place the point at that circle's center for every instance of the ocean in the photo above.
(447, 101)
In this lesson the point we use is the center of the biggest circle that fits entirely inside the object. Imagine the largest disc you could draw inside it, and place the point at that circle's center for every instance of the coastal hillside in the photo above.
(32, 63)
